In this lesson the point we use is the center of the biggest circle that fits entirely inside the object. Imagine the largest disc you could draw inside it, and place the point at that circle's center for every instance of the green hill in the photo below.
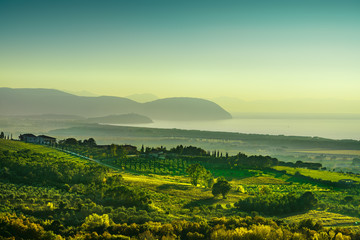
(27, 101)
(48, 194)
(130, 118)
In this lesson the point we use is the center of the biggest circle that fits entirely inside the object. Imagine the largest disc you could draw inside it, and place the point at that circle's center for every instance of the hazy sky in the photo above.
(245, 49)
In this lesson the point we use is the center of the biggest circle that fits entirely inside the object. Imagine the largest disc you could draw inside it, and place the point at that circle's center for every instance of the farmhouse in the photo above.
(41, 139)
(28, 137)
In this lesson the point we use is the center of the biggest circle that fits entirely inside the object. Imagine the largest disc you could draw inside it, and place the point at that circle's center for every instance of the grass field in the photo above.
(260, 181)
(317, 174)
(328, 219)
(180, 192)
(174, 194)
(17, 146)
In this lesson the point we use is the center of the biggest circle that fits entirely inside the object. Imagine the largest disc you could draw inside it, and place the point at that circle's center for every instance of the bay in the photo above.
(327, 128)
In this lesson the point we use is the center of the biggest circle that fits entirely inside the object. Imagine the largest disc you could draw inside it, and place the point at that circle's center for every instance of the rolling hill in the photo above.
(130, 118)
(50, 101)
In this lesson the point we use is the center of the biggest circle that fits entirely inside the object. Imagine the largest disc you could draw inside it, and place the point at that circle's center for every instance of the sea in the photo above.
(333, 128)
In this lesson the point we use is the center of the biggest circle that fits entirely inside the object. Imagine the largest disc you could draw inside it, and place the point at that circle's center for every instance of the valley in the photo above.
(72, 197)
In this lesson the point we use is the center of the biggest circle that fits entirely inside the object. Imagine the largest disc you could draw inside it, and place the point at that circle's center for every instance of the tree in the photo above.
(90, 142)
(307, 200)
(264, 190)
(71, 141)
(348, 199)
(310, 224)
(96, 222)
(113, 150)
(142, 149)
(2, 135)
(198, 174)
(208, 180)
(222, 187)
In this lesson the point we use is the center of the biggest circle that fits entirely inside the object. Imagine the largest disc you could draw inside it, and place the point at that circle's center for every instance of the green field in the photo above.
(317, 174)
(328, 219)
(18, 145)
(54, 195)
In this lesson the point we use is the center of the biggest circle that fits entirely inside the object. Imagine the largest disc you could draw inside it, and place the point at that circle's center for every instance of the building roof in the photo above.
(44, 136)
(27, 135)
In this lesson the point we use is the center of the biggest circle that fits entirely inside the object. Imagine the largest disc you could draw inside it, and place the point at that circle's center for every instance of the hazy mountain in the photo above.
(50, 101)
(142, 98)
(121, 119)
(182, 108)
(51, 117)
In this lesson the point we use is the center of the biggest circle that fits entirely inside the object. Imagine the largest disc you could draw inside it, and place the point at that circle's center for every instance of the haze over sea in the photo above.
(334, 128)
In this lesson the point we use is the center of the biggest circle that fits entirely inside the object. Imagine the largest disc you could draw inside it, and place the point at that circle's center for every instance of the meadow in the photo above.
(324, 175)
(49, 194)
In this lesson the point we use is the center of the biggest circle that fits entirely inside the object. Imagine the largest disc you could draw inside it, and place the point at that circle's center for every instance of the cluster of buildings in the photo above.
(41, 139)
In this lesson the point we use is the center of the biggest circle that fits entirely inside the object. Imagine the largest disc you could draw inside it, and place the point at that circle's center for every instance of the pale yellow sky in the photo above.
(246, 51)
(246, 85)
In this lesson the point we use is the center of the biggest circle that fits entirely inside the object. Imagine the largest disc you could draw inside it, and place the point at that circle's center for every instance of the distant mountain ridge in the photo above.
(131, 118)
(142, 98)
(27, 101)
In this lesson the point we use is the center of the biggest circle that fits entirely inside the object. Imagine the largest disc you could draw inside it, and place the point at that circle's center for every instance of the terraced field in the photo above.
(176, 196)
(328, 219)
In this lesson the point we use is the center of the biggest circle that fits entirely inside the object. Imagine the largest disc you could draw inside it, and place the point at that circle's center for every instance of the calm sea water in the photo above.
(327, 128)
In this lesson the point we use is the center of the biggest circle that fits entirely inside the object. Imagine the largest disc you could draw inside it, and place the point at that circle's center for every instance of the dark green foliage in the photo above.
(89, 142)
(101, 226)
(310, 224)
(199, 175)
(300, 164)
(87, 179)
(45, 196)
(348, 199)
(25, 164)
(257, 162)
(307, 201)
(14, 227)
(356, 161)
(222, 187)
(188, 150)
(69, 141)
(278, 204)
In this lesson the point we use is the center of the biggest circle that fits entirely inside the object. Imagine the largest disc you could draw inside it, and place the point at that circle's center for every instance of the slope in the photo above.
(50, 101)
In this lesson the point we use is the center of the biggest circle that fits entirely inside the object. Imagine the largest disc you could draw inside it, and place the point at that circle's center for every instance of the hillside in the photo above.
(179, 109)
(130, 118)
(49, 101)
(66, 200)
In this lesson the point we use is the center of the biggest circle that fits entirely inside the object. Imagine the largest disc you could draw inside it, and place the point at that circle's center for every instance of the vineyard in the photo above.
(148, 195)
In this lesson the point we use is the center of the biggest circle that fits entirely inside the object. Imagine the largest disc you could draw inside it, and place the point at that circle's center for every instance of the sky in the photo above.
(250, 50)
